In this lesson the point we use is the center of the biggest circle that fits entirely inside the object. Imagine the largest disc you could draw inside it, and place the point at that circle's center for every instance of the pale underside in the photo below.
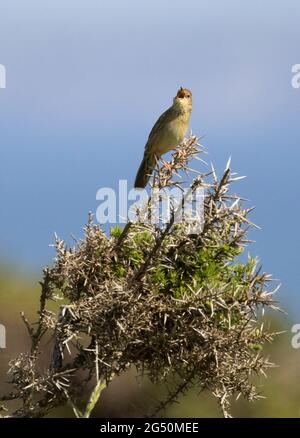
(167, 133)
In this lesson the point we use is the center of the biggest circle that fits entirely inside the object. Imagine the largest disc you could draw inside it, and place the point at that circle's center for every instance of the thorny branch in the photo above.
(153, 297)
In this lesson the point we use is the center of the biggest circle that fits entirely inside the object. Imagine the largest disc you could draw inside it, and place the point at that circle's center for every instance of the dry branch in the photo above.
(168, 302)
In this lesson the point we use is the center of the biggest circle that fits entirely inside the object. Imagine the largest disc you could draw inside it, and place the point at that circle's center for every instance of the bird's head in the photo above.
(183, 98)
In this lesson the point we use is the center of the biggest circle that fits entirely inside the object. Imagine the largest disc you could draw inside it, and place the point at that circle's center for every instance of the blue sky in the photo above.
(87, 79)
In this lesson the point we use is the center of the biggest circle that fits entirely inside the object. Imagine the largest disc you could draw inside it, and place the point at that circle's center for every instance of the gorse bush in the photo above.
(174, 305)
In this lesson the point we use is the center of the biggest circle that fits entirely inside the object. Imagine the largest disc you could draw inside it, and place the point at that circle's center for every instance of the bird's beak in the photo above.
(180, 93)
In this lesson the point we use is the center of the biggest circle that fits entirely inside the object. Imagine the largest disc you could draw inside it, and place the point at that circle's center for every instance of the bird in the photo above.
(168, 131)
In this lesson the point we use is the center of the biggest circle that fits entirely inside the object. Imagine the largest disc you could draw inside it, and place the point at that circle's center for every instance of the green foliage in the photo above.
(155, 297)
(134, 251)
(202, 267)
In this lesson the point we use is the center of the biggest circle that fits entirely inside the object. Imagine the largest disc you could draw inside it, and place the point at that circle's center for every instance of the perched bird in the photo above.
(166, 134)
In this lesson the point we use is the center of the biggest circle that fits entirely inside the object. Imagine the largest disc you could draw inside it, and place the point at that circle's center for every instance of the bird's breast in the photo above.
(173, 134)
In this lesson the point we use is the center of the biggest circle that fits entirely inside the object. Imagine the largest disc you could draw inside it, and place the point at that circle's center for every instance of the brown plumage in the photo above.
(166, 134)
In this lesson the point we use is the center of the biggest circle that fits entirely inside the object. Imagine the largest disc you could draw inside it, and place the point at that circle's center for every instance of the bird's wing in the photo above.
(155, 133)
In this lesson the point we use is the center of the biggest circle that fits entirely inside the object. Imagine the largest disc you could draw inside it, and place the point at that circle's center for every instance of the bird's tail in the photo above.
(144, 172)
